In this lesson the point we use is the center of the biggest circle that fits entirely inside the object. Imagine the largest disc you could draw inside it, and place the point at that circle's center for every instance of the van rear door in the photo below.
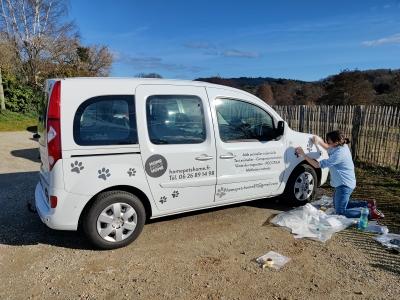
(43, 133)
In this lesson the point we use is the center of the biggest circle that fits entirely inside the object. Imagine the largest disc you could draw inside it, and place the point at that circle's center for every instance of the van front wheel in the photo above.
(301, 185)
(115, 220)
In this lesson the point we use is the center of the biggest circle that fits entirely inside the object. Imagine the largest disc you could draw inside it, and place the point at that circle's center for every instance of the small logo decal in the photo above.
(175, 194)
(77, 167)
(156, 165)
(104, 173)
(131, 172)
(163, 199)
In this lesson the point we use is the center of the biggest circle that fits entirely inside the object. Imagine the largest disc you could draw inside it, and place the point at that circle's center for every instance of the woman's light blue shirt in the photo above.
(341, 166)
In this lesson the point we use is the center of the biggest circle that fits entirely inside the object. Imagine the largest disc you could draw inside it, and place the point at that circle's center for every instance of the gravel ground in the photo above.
(204, 255)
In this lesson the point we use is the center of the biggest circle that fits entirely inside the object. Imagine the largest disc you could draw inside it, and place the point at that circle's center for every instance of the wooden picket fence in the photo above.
(374, 131)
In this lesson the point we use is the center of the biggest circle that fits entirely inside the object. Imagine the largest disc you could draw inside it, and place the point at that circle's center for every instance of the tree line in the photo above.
(37, 41)
(372, 87)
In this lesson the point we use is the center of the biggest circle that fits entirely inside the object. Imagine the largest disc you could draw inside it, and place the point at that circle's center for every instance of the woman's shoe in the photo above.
(375, 214)
(371, 203)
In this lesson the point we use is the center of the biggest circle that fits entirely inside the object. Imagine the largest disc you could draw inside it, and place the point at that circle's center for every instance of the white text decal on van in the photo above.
(257, 161)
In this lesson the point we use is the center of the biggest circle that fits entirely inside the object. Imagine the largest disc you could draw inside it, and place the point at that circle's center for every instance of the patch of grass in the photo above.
(380, 171)
(383, 186)
(12, 121)
(380, 182)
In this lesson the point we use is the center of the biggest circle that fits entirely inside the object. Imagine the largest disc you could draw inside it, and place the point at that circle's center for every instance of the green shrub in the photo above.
(20, 97)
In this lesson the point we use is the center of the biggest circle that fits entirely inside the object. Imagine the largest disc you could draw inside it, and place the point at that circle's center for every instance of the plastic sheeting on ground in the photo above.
(309, 222)
(389, 240)
(374, 227)
(325, 203)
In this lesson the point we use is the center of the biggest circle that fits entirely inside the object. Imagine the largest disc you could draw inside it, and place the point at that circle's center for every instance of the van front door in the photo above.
(177, 145)
(249, 157)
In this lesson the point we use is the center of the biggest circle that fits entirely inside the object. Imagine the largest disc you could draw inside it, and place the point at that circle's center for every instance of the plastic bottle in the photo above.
(363, 222)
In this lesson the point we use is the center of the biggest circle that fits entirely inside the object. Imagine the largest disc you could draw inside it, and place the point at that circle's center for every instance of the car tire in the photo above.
(301, 186)
(115, 220)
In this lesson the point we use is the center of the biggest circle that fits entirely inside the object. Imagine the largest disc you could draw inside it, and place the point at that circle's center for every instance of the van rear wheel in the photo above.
(114, 220)
(301, 186)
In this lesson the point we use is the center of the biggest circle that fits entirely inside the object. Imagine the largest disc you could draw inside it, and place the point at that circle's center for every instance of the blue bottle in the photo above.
(363, 222)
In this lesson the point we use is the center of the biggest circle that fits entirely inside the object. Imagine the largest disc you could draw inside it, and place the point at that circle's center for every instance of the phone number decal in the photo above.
(190, 173)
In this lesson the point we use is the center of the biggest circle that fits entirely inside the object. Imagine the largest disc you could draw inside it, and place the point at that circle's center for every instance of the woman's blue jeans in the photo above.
(350, 209)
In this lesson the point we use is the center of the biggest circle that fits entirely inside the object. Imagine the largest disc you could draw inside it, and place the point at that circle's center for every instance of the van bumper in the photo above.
(66, 215)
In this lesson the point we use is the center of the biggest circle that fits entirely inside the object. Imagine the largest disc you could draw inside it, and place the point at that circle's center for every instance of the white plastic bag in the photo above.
(273, 260)
(324, 201)
(308, 222)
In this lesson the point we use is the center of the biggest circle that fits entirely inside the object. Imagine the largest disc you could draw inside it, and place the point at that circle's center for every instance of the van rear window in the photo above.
(106, 120)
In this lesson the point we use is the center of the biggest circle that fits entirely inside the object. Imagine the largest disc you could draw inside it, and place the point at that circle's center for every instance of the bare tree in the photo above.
(96, 61)
(264, 92)
(7, 64)
(2, 102)
(35, 27)
(8, 58)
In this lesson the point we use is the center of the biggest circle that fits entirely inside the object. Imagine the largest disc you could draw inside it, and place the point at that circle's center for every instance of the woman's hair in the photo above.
(337, 137)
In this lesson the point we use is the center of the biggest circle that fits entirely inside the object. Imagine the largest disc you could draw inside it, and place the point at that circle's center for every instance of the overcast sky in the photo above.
(306, 40)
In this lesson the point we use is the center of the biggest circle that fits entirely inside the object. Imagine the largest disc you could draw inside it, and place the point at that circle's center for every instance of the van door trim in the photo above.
(103, 154)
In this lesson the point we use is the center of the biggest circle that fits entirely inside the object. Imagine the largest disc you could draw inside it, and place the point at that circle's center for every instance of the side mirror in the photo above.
(280, 129)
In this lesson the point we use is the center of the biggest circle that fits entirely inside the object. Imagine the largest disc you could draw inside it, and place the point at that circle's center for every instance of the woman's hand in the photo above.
(320, 142)
(316, 140)
(300, 152)
(312, 162)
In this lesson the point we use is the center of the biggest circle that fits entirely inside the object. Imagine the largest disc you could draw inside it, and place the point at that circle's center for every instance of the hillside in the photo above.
(372, 87)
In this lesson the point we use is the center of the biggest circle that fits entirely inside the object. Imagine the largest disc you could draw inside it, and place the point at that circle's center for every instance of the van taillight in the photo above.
(53, 126)
(53, 201)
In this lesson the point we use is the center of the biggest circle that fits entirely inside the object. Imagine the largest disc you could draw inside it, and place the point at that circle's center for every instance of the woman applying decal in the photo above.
(343, 178)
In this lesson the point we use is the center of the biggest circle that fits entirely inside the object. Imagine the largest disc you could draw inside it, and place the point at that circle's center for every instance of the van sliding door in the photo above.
(177, 145)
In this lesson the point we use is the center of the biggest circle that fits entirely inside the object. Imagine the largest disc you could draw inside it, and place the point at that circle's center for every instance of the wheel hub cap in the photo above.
(116, 222)
(304, 186)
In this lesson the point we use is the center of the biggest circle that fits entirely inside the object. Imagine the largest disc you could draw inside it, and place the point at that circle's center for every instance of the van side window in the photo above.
(175, 119)
(106, 120)
(240, 121)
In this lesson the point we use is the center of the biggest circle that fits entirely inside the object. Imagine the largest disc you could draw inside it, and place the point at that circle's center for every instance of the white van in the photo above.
(116, 152)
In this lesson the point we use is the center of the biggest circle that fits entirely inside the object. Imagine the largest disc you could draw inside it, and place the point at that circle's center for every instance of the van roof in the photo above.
(138, 81)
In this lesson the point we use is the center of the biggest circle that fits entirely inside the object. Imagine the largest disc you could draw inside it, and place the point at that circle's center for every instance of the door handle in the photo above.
(204, 157)
(227, 156)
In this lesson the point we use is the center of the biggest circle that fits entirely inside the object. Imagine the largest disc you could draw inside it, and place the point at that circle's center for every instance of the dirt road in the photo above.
(204, 255)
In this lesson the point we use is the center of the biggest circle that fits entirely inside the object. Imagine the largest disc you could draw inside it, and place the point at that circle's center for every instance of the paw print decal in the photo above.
(77, 167)
(131, 172)
(163, 199)
(104, 173)
(175, 194)
(221, 192)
